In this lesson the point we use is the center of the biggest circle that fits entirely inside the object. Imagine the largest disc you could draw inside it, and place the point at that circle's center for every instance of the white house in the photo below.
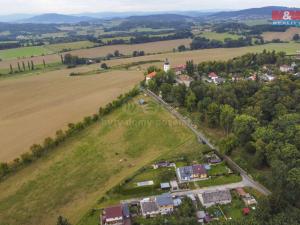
(286, 68)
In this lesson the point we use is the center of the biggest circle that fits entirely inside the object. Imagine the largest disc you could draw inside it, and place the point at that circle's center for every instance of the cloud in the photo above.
(77, 6)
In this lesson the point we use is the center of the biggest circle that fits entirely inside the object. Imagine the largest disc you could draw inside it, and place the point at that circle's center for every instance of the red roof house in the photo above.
(199, 171)
(151, 75)
(212, 75)
(113, 215)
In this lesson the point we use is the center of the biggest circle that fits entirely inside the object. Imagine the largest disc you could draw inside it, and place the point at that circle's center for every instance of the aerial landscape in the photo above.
(149, 112)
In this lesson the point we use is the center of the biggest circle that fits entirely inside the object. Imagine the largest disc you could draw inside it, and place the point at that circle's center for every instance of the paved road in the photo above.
(201, 138)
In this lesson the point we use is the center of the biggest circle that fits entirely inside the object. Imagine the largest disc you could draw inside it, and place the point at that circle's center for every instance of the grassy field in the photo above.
(71, 46)
(71, 179)
(46, 102)
(219, 36)
(23, 52)
(283, 36)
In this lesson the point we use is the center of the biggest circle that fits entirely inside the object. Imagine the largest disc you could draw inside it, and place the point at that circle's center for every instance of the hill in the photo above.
(57, 18)
(253, 13)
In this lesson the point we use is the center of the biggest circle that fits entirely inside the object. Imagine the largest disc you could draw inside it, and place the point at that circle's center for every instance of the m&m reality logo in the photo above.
(286, 17)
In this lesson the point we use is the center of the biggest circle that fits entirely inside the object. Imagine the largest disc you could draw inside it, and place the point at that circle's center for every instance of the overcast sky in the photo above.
(78, 6)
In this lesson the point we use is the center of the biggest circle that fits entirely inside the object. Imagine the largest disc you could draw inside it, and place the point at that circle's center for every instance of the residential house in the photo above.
(253, 77)
(249, 200)
(116, 215)
(212, 76)
(286, 68)
(215, 197)
(149, 208)
(184, 79)
(165, 204)
(267, 78)
(190, 173)
(246, 197)
(179, 69)
(150, 76)
(241, 192)
(199, 172)
(213, 159)
(219, 80)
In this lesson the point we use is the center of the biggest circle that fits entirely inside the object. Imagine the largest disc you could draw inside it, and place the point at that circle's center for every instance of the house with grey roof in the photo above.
(191, 173)
(149, 208)
(165, 203)
(208, 199)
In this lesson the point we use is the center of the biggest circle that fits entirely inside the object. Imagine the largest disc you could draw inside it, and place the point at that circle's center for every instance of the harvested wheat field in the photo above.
(208, 54)
(35, 107)
(283, 36)
(153, 47)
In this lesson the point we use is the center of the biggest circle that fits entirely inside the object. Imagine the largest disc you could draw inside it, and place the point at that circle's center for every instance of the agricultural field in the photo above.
(283, 36)
(86, 166)
(154, 47)
(219, 36)
(198, 56)
(71, 46)
(47, 102)
(24, 52)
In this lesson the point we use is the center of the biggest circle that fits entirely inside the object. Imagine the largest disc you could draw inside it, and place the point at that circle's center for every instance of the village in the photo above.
(210, 202)
(266, 74)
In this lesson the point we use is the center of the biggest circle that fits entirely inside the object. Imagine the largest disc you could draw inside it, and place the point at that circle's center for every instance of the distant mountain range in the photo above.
(264, 12)
(56, 18)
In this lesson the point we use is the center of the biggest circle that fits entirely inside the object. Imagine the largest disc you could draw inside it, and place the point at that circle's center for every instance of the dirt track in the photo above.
(32, 108)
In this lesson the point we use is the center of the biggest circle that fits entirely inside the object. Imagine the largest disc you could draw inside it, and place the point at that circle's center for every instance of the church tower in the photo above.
(167, 66)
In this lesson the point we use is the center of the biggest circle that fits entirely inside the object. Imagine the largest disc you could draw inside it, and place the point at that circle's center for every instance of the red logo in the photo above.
(285, 15)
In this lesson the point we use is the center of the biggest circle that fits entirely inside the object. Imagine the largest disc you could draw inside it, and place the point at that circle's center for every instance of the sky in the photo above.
(80, 6)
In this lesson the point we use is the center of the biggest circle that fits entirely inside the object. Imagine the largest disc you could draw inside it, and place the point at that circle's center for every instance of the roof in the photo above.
(148, 207)
(216, 196)
(164, 185)
(163, 200)
(201, 214)
(145, 183)
(241, 191)
(199, 169)
(219, 80)
(113, 212)
(185, 78)
(151, 75)
(185, 172)
(126, 212)
(173, 183)
(213, 75)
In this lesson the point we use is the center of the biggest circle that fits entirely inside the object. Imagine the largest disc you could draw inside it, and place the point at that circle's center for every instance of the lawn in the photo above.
(71, 179)
(24, 52)
(219, 36)
(219, 181)
(218, 169)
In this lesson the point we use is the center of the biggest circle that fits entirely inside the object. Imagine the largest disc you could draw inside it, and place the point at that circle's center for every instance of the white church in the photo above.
(167, 66)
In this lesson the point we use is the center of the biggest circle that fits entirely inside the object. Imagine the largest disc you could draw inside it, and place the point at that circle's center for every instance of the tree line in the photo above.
(49, 144)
